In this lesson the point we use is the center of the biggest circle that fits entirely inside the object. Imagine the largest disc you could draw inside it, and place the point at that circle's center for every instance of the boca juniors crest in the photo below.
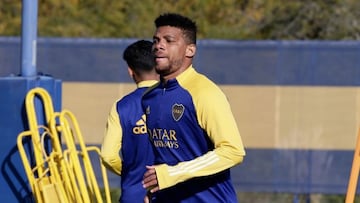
(177, 111)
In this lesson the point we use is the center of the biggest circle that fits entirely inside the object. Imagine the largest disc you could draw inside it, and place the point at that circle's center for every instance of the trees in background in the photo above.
(318, 19)
(224, 19)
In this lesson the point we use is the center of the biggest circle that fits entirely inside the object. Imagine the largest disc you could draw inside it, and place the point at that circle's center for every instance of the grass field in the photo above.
(252, 197)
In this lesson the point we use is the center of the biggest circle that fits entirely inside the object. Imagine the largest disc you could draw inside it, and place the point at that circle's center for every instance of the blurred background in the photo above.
(216, 19)
(290, 69)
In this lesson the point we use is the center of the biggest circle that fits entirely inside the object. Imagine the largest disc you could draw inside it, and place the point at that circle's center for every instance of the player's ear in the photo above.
(190, 50)
(131, 73)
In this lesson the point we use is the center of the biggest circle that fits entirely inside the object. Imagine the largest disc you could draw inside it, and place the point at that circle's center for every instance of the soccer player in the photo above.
(190, 123)
(126, 149)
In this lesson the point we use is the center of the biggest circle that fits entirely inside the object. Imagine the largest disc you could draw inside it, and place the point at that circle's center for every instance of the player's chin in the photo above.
(161, 69)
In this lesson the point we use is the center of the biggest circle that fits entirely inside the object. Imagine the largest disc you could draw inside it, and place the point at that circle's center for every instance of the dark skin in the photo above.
(173, 55)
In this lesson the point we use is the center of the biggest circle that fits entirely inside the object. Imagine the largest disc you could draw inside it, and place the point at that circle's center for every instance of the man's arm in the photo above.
(216, 118)
(111, 144)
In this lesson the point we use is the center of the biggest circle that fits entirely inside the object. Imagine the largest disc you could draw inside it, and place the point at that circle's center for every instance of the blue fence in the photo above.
(328, 63)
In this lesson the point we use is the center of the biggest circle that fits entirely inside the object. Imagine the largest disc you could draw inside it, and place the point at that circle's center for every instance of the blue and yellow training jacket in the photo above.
(195, 138)
(126, 149)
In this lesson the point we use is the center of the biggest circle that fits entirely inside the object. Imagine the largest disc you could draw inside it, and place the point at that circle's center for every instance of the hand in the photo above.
(146, 199)
(150, 181)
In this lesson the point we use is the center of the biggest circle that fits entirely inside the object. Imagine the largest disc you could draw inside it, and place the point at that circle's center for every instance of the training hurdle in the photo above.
(354, 174)
(61, 172)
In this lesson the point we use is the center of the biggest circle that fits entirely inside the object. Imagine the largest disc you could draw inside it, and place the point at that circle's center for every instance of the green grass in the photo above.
(262, 197)
(114, 193)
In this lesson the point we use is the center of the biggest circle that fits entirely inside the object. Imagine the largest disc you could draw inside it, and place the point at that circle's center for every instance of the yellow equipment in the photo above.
(354, 173)
(64, 174)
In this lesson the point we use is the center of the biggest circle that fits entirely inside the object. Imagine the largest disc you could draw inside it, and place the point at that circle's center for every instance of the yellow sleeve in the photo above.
(215, 117)
(111, 144)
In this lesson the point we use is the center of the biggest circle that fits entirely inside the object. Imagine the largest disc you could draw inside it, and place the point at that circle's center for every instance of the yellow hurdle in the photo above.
(354, 174)
(85, 176)
(65, 174)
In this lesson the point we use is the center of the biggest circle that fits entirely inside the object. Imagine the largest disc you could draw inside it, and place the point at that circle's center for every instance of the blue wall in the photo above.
(317, 63)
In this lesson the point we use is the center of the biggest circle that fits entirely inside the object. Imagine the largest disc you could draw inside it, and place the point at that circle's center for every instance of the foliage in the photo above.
(10, 17)
(225, 19)
(312, 19)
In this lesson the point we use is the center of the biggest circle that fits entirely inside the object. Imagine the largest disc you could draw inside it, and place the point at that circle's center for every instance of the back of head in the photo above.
(139, 57)
(176, 20)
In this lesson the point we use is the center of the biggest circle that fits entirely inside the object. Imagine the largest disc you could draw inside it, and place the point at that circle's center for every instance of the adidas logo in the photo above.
(140, 127)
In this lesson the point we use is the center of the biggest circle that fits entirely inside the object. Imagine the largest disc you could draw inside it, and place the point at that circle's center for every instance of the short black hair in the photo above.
(139, 56)
(176, 20)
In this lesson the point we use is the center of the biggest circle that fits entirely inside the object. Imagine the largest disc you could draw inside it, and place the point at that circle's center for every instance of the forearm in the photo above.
(208, 164)
(113, 164)
(111, 145)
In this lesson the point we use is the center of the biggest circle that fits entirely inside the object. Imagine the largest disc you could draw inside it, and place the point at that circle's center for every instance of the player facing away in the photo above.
(126, 149)
(190, 123)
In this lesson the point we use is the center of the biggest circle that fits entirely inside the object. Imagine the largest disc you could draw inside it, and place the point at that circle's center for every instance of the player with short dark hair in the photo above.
(126, 149)
(190, 123)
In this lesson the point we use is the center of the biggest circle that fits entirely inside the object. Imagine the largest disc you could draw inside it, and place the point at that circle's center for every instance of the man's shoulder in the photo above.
(134, 96)
(149, 90)
(201, 82)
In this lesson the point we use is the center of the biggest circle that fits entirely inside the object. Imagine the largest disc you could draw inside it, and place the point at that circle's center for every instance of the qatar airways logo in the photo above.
(163, 138)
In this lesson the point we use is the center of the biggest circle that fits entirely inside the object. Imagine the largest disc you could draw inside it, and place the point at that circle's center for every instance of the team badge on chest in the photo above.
(177, 111)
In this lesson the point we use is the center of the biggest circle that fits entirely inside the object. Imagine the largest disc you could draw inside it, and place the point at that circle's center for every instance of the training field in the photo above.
(296, 104)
